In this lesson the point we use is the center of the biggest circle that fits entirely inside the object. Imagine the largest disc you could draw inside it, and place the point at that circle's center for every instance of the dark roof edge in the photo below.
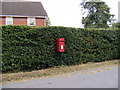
(17, 1)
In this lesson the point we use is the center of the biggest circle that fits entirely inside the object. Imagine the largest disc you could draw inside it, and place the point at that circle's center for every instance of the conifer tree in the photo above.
(97, 14)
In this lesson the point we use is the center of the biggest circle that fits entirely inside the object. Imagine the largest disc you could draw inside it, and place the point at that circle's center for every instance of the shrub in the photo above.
(30, 48)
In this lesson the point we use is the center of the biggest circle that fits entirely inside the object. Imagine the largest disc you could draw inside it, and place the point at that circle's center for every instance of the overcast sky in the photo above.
(67, 12)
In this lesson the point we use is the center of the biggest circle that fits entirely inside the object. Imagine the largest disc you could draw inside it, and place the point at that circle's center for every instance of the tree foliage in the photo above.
(116, 25)
(97, 14)
(48, 23)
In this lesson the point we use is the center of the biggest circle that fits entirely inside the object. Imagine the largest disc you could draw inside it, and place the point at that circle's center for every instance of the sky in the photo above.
(67, 13)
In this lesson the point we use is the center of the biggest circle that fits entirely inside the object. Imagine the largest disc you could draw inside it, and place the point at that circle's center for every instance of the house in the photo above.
(23, 13)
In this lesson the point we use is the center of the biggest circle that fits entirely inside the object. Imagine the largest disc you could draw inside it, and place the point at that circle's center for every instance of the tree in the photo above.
(48, 23)
(97, 14)
(116, 25)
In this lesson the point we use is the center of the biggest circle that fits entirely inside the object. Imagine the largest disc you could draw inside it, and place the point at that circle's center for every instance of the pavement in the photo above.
(106, 77)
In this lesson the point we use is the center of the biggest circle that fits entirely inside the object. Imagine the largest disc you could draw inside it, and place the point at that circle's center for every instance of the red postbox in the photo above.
(60, 44)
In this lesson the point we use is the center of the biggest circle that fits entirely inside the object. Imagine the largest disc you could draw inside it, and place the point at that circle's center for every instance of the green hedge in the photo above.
(30, 48)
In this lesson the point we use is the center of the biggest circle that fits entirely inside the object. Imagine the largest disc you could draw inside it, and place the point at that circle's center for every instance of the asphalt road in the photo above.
(106, 77)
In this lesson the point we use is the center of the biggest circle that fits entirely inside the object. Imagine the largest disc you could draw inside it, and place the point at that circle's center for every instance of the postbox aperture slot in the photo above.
(61, 41)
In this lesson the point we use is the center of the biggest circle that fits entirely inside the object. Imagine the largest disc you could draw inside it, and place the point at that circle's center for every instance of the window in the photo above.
(31, 21)
(9, 20)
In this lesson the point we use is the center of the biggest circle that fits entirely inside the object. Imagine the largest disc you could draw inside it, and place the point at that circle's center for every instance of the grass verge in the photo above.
(11, 77)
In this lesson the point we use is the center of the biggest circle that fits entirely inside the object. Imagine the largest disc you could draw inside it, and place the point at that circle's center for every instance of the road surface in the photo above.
(106, 77)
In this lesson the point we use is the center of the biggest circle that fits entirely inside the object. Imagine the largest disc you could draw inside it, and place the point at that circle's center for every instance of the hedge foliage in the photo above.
(30, 48)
